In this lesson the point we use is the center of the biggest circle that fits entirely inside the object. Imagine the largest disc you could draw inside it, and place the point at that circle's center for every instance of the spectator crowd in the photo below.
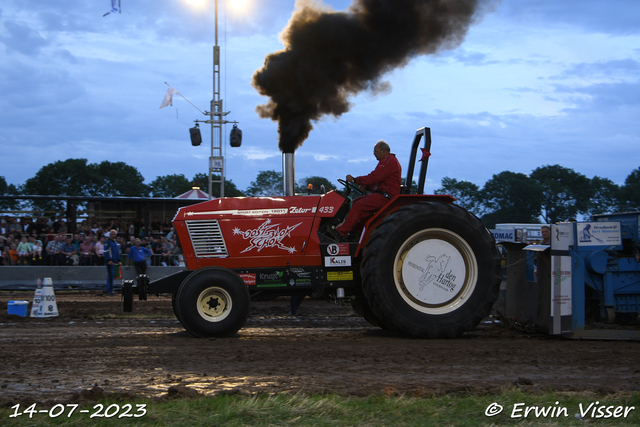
(49, 241)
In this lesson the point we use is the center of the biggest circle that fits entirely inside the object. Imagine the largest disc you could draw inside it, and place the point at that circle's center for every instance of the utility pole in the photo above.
(216, 114)
(216, 161)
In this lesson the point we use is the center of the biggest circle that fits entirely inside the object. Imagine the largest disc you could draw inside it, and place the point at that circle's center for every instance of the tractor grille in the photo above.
(207, 239)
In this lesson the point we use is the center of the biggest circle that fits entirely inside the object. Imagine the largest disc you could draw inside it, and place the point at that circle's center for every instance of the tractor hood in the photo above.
(242, 207)
(253, 231)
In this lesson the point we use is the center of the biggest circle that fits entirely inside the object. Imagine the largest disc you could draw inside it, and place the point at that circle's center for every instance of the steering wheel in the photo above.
(350, 186)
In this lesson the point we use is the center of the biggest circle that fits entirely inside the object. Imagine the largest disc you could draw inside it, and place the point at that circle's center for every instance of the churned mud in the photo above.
(91, 349)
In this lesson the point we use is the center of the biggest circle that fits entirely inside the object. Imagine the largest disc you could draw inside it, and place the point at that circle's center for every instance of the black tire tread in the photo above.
(361, 307)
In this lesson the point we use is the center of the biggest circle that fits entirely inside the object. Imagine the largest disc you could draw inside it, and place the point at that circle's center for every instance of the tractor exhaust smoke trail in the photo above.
(329, 56)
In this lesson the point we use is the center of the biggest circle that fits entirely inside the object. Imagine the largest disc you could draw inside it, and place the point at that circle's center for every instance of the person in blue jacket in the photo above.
(111, 258)
(139, 254)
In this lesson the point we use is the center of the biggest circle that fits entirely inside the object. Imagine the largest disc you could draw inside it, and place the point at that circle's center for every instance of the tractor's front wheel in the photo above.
(431, 270)
(174, 305)
(212, 302)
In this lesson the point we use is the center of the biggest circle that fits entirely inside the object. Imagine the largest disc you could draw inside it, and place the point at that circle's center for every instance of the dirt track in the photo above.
(327, 348)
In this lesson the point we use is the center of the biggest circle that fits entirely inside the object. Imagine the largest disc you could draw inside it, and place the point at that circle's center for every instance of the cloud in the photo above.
(324, 157)
(22, 39)
(611, 97)
(619, 17)
(253, 153)
(610, 70)
(39, 87)
(470, 58)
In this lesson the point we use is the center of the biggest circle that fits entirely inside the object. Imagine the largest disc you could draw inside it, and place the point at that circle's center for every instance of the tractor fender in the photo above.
(393, 205)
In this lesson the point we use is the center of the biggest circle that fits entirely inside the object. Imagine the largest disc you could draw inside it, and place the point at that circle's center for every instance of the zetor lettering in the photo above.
(295, 210)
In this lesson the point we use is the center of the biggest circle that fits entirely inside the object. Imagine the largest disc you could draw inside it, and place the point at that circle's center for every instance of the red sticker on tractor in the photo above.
(249, 279)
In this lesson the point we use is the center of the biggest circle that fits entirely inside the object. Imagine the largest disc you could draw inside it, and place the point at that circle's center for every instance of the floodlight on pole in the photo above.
(216, 160)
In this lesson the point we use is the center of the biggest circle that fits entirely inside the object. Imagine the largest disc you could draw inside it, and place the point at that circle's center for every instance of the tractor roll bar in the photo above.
(406, 188)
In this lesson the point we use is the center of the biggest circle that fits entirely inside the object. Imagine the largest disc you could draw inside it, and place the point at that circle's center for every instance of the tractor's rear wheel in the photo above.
(212, 302)
(431, 270)
(362, 308)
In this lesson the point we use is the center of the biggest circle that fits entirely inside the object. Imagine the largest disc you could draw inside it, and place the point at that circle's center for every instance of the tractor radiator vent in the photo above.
(207, 239)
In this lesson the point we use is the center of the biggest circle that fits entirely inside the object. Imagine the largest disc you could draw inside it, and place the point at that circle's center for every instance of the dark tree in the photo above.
(76, 177)
(202, 180)
(511, 197)
(170, 185)
(120, 179)
(566, 193)
(468, 194)
(267, 183)
(8, 190)
(630, 192)
(605, 196)
(71, 177)
(317, 181)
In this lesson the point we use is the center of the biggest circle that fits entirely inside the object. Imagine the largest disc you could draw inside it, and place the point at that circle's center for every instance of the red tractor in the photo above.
(423, 266)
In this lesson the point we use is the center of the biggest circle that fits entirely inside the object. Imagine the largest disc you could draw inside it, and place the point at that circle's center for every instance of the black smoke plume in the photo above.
(330, 56)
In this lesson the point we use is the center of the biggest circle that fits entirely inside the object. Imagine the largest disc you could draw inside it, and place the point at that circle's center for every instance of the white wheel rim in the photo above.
(435, 271)
(214, 304)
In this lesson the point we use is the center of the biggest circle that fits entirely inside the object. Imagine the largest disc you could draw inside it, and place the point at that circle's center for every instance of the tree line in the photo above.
(551, 193)
(78, 177)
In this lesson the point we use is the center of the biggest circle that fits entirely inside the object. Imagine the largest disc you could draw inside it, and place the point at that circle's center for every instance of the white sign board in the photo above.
(599, 234)
(504, 235)
(561, 236)
(561, 293)
(217, 162)
(561, 285)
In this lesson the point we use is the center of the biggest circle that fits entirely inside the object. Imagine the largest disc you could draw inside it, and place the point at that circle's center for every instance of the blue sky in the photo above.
(533, 83)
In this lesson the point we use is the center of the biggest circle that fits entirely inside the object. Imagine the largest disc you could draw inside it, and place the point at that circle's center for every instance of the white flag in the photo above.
(168, 97)
(115, 7)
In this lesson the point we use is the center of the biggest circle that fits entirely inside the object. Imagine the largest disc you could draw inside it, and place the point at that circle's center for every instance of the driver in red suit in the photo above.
(384, 184)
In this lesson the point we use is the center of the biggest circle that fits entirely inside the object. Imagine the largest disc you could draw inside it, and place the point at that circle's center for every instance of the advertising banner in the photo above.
(599, 234)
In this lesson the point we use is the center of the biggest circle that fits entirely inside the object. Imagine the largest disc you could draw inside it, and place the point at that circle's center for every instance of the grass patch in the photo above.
(334, 410)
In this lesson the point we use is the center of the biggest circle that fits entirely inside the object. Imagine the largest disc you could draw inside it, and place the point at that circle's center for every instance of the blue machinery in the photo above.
(591, 272)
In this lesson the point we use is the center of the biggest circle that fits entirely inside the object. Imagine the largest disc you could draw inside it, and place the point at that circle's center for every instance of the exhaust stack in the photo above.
(288, 176)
